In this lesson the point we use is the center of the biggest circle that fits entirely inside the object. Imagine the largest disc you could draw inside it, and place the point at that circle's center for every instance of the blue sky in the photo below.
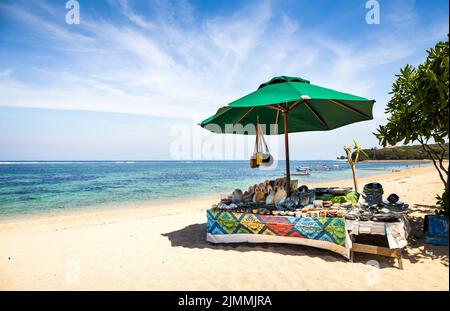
(120, 84)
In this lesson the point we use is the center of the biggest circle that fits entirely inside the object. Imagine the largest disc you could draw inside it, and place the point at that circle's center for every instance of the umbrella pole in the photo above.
(286, 151)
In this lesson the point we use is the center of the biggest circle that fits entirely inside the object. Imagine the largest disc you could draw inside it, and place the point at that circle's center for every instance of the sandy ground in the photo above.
(164, 248)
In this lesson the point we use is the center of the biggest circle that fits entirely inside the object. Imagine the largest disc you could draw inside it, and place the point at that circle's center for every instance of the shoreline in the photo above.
(396, 161)
(12, 162)
(161, 204)
(82, 208)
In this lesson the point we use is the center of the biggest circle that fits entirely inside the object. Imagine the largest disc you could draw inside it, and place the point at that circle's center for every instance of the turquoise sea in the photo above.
(42, 187)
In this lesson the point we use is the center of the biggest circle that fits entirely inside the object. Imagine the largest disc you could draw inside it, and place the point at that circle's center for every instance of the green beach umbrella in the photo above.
(292, 104)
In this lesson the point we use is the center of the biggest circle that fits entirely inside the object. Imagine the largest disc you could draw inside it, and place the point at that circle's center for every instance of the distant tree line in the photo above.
(414, 152)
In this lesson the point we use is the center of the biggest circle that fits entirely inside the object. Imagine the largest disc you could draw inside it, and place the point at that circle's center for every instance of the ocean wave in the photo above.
(38, 162)
(62, 162)
(7, 163)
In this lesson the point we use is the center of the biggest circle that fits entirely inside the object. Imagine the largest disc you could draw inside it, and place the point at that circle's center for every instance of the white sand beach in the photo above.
(164, 248)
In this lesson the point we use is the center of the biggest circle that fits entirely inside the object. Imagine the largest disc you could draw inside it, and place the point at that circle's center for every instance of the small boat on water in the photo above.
(334, 167)
(303, 170)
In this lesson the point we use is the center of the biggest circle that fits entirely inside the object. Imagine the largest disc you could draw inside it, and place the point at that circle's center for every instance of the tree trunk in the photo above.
(430, 154)
(355, 183)
(446, 186)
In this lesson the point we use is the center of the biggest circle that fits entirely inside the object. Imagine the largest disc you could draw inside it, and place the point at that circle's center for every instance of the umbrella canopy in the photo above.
(309, 107)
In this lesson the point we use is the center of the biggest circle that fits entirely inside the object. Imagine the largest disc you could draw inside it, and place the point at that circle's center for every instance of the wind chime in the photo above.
(261, 155)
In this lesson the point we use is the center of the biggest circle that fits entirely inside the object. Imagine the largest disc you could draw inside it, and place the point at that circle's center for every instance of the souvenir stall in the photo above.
(279, 211)
(264, 213)
(327, 218)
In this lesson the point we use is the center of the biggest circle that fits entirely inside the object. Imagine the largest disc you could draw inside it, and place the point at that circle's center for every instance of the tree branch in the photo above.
(441, 158)
(424, 147)
(438, 156)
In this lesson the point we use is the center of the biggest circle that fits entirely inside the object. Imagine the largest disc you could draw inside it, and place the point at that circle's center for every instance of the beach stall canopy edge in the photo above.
(311, 108)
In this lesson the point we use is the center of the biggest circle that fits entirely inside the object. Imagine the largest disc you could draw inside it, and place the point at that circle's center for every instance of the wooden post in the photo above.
(400, 260)
(286, 150)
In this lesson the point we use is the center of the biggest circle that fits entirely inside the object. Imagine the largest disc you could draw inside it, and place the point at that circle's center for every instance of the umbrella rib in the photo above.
(274, 107)
(276, 121)
(349, 108)
(277, 115)
(245, 114)
(295, 104)
(316, 115)
(215, 116)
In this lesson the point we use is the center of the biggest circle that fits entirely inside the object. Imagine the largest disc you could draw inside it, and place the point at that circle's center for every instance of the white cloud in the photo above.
(155, 66)
(139, 20)
(6, 73)
(401, 14)
(179, 63)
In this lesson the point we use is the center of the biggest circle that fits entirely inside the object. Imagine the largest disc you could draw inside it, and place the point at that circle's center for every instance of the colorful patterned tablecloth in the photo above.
(323, 232)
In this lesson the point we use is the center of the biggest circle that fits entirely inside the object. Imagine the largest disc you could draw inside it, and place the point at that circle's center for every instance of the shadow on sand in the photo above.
(194, 236)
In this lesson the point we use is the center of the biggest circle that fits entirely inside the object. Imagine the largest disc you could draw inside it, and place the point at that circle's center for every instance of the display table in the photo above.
(395, 232)
(334, 234)
(232, 227)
